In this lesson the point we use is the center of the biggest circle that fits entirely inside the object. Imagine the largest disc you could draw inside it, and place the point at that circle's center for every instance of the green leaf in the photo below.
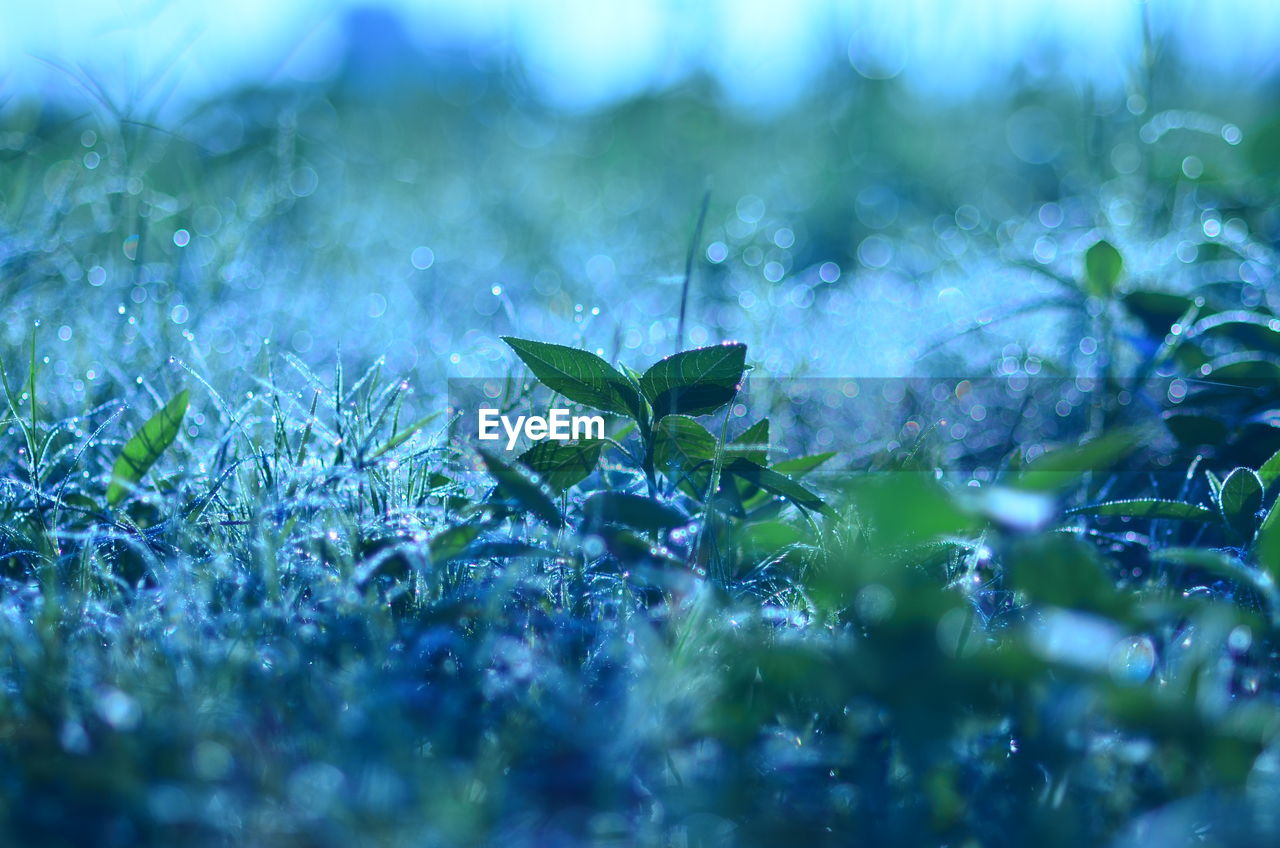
(1194, 431)
(451, 542)
(766, 538)
(507, 549)
(1217, 563)
(683, 450)
(1061, 468)
(778, 484)
(802, 465)
(753, 444)
(80, 501)
(633, 379)
(1158, 311)
(682, 441)
(635, 511)
(1152, 508)
(1266, 544)
(403, 436)
(1247, 371)
(1215, 485)
(1270, 470)
(146, 446)
(523, 487)
(579, 375)
(1102, 266)
(695, 382)
(630, 548)
(898, 509)
(1223, 565)
(1240, 500)
(1254, 330)
(563, 464)
(1063, 571)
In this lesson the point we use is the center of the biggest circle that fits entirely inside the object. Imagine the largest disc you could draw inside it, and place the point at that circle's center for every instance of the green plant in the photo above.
(662, 403)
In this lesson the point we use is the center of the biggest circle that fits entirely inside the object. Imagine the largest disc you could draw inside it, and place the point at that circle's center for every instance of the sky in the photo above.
(584, 54)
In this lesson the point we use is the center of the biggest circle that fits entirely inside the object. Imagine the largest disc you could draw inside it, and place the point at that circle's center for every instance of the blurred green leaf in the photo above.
(1158, 311)
(1266, 545)
(907, 507)
(1253, 330)
(801, 465)
(1102, 264)
(451, 542)
(80, 501)
(766, 538)
(1058, 469)
(1222, 566)
(628, 546)
(523, 487)
(1193, 430)
(635, 511)
(1064, 571)
(1246, 371)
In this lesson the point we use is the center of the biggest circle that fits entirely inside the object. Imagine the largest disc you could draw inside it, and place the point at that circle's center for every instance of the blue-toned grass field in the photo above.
(936, 503)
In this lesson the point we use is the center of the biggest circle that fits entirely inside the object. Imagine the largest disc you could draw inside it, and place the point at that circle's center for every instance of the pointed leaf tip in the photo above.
(145, 447)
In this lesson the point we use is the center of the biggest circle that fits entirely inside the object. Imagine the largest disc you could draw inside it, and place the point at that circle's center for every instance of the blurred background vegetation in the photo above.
(408, 177)
(957, 242)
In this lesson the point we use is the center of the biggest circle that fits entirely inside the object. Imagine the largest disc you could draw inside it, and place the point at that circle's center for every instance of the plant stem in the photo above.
(688, 268)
